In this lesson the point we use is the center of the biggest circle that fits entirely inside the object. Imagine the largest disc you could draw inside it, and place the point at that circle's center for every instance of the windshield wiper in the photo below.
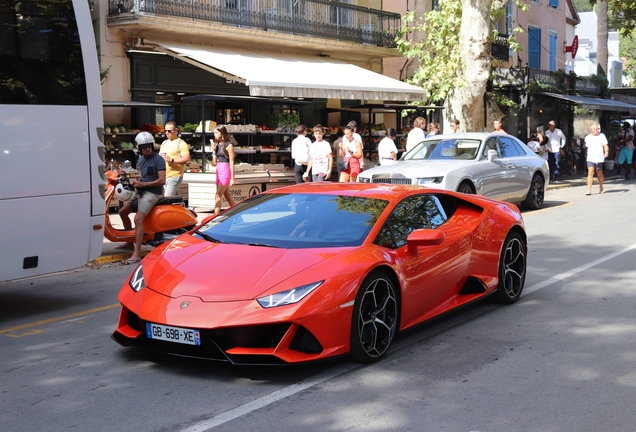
(263, 244)
(207, 237)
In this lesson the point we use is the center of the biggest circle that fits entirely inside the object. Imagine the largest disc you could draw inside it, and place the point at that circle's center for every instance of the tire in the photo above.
(375, 318)
(465, 188)
(512, 270)
(536, 193)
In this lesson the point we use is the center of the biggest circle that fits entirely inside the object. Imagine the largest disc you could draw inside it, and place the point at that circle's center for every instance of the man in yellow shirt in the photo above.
(176, 154)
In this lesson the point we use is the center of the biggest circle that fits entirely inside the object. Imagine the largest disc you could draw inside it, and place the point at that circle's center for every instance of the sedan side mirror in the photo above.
(492, 154)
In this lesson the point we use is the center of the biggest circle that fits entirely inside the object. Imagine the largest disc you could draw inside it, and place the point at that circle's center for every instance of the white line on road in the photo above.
(332, 373)
(567, 274)
(268, 399)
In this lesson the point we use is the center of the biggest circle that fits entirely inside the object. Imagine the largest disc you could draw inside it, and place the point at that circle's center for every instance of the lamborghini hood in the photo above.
(218, 272)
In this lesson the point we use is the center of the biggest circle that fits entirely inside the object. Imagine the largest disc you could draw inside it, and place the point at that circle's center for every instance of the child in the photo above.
(320, 157)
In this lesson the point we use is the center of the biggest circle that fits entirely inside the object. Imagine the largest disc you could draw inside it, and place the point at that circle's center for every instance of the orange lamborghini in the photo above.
(306, 272)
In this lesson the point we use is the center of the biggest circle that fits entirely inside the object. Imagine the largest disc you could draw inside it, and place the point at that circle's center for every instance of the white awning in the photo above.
(295, 76)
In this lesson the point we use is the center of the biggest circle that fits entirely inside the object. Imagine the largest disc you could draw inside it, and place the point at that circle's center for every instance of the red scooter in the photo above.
(168, 219)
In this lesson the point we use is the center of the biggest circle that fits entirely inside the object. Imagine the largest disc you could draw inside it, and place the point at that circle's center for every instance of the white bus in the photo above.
(51, 123)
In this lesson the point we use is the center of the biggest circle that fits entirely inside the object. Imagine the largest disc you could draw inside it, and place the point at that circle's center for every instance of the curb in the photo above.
(116, 258)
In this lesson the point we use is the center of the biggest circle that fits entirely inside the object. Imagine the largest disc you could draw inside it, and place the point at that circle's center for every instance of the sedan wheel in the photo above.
(534, 200)
(465, 188)
(512, 270)
(375, 318)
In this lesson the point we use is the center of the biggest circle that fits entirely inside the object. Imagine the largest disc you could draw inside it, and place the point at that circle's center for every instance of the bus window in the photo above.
(40, 53)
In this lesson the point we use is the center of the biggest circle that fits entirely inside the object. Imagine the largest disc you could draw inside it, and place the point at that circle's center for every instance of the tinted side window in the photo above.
(509, 148)
(491, 144)
(418, 212)
(40, 54)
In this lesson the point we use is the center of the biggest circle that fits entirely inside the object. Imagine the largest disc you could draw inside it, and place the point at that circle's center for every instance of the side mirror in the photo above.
(424, 237)
(492, 154)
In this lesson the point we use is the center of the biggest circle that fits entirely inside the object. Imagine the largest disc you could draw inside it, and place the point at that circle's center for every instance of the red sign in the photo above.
(574, 47)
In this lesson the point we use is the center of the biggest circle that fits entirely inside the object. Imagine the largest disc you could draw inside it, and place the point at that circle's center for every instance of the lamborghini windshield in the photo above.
(296, 221)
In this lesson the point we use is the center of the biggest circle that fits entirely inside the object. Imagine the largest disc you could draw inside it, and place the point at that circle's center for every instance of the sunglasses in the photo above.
(145, 146)
(170, 130)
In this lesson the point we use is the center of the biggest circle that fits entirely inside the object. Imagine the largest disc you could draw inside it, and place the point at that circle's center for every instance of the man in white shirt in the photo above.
(416, 135)
(556, 140)
(300, 152)
(597, 151)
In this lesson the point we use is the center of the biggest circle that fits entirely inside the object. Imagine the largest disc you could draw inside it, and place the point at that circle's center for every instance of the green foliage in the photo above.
(628, 53)
(438, 50)
(583, 5)
(282, 120)
(103, 74)
(622, 15)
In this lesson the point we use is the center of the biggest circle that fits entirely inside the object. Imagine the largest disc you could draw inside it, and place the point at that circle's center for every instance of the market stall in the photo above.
(202, 186)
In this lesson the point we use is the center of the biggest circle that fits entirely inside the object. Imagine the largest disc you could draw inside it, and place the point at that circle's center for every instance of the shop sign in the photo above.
(543, 77)
(586, 86)
(572, 48)
(242, 192)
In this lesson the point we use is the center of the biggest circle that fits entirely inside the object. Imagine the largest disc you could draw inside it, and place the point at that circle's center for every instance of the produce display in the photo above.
(115, 129)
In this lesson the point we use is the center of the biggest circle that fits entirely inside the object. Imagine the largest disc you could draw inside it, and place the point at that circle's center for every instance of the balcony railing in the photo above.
(500, 48)
(321, 18)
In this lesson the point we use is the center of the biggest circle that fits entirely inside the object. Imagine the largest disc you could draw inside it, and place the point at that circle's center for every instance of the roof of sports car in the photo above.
(368, 190)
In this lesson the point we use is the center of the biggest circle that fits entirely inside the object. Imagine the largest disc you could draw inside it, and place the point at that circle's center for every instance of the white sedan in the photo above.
(497, 166)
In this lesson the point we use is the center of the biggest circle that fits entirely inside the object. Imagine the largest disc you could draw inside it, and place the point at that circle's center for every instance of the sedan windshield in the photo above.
(445, 149)
(295, 221)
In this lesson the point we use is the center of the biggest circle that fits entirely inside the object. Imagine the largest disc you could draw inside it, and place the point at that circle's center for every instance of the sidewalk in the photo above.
(112, 255)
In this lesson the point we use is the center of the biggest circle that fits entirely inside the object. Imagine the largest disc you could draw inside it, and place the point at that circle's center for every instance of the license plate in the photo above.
(173, 334)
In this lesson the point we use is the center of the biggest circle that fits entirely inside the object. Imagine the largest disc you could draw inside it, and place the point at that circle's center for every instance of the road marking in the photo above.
(268, 399)
(52, 320)
(570, 273)
(332, 373)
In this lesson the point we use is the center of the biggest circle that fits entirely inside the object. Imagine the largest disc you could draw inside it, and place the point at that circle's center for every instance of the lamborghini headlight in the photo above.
(291, 296)
(430, 180)
(136, 280)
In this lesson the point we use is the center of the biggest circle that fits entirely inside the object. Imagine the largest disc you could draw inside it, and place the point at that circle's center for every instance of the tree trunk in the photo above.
(466, 103)
(601, 37)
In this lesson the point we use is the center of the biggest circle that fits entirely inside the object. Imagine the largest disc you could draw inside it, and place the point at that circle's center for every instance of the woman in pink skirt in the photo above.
(223, 159)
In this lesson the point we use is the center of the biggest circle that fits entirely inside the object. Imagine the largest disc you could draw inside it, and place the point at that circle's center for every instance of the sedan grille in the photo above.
(391, 179)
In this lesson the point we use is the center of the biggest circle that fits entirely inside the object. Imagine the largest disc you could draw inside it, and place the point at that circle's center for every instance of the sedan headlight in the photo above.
(364, 179)
(291, 296)
(136, 281)
(430, 180)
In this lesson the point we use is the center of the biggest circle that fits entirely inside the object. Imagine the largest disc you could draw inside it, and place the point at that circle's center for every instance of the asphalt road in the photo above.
(561, 359)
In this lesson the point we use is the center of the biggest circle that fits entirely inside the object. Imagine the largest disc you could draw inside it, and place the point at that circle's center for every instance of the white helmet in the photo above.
(144, 138)
(123, 193)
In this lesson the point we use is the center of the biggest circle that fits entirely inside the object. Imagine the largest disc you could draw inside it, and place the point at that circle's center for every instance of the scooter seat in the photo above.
(170, 200)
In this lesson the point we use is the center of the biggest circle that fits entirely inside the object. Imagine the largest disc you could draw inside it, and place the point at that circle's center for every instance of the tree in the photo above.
(455, 55)
(601, 37)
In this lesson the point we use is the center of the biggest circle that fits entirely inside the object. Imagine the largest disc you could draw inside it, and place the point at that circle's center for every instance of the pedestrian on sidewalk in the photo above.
(176, 154)
(300, 152)
(625, 154)
(597, 151)
(497, 127)
(557, 141)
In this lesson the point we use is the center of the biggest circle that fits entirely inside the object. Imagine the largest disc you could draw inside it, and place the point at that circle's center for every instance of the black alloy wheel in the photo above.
(536, 193)
(375, 318)
(512, 270)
